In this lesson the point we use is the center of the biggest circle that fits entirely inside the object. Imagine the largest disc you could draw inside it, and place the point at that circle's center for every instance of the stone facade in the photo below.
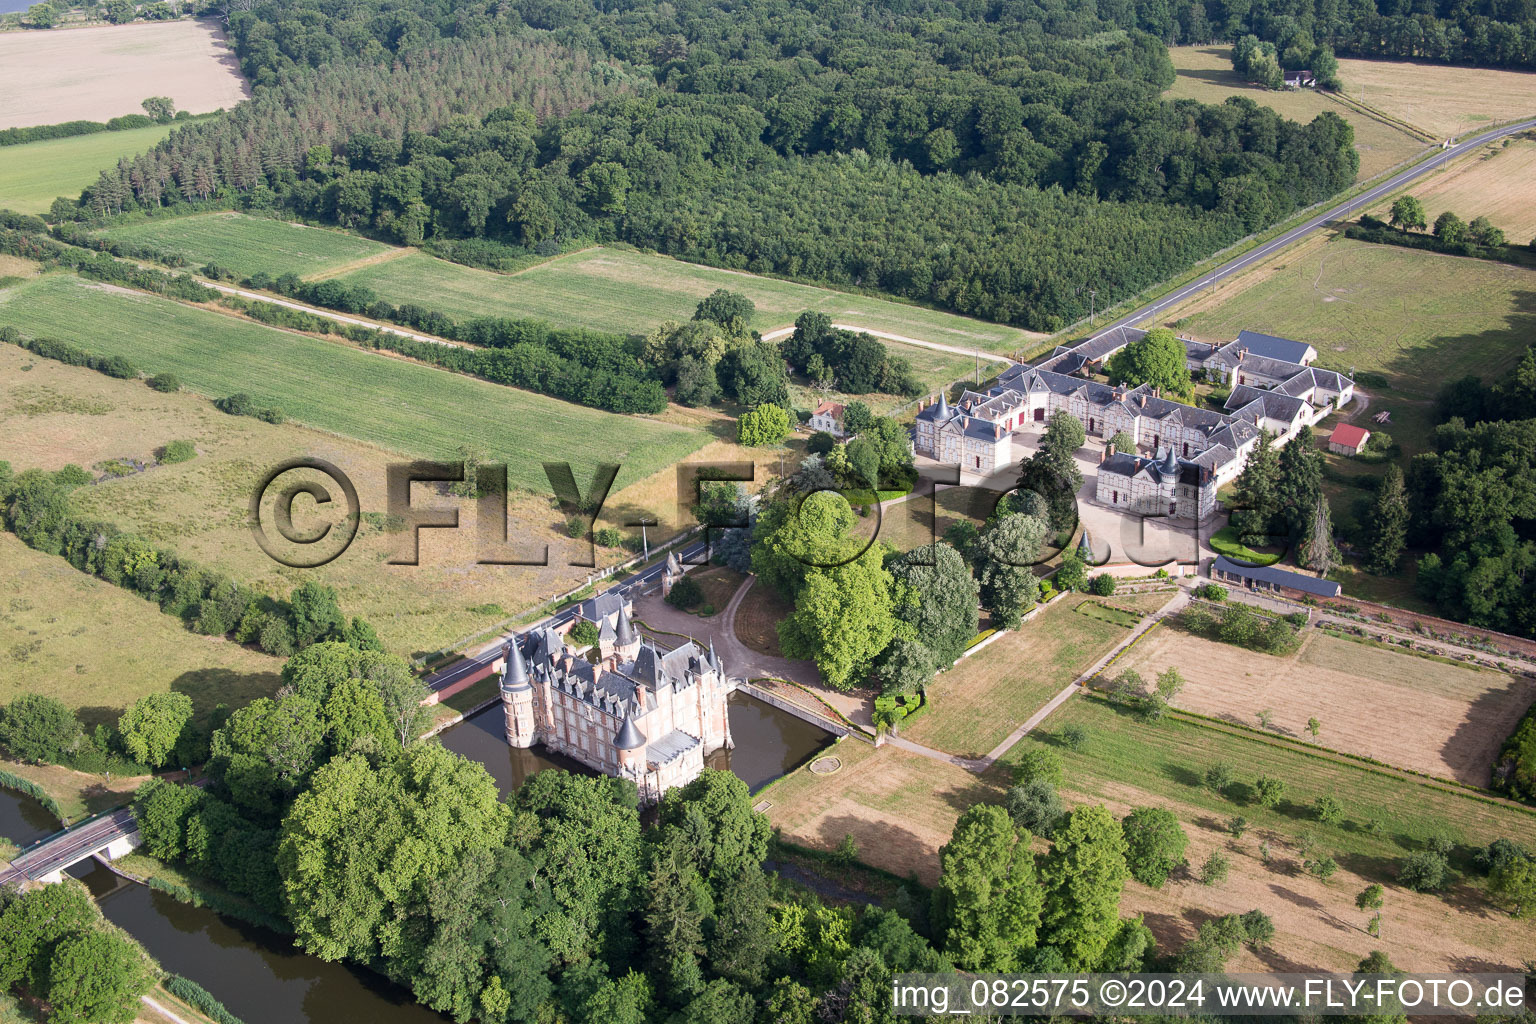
(1271, 394)
(828, 416)
(639, 713)
(1167, 486)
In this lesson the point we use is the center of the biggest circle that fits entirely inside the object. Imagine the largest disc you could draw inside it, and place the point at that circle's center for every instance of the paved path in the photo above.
(1174, 605)
(986, 356)
(1238, 264)
(163, 1010)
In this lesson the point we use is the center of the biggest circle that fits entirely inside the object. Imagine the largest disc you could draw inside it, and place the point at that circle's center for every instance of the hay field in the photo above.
(1129, 763)
(246, 245)
(33, 175)
(1444, 101)
(98, 648)
(106, 71)
(1497, 182)
(1419, 317)
(631, 292)
(54, 415)
(394, 404)
(1400, 709)
(1205, 74)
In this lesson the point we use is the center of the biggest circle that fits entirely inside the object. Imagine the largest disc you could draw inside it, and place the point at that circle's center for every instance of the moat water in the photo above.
(260, 976)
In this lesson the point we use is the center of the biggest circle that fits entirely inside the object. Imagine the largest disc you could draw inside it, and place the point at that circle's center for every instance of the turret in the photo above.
(517, 698)
(626, 642)
(1170, 466)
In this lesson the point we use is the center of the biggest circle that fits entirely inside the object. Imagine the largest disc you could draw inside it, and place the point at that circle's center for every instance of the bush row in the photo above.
(27, 787)
(69, 129)
(190, 992)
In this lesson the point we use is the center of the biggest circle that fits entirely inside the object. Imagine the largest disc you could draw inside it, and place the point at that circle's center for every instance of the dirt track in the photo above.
(106, 71)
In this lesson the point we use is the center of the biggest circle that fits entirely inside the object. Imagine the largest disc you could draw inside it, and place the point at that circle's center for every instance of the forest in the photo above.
(1002, 161)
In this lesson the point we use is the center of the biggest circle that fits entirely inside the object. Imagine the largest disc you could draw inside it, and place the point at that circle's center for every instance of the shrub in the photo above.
(1211, 591)
(1103, 584)
(584, 634)
(1074, 737)
(1214, 870)
(1321, 868)
(1498, 854)
(1039, 763)
(189, 991)
(1258, 928)
(1270, 791)
(685, 593)
(1219, 777)
(37, 728)
(609, 537)
(177, 451)
(576, 526)
(166, 382)
(1154, 843)
(1328, 810)
(1423, 871)
(1035, 805)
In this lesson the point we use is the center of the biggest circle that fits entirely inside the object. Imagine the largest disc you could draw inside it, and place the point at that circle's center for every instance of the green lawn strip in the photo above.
(1093, 609)
(34, 174)
(246, 245)
(1224, 542)
(401, 406)
(626, 291)
(1169, 759)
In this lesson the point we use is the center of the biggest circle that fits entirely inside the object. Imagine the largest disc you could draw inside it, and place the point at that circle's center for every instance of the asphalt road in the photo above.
(471, 665)
(64, 847)
(1241, 263)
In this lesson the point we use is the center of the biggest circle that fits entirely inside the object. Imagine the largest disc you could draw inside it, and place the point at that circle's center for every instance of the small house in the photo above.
(1300, 80)
(1267, 578)
(829, 417)
(1348, 439)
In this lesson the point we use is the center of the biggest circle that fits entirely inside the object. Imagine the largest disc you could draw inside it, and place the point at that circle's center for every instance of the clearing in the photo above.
(246, 245)
(1497, 182)
(331, 386)
(1442, 100)
(33, 175)
(1401, 709)
(98, 648)
(1129, 763)
(103, 72)
(630, 292)
(1205, 74)
(985, 697)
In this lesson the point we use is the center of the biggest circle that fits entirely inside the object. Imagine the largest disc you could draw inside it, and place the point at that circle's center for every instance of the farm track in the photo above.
(386, 256)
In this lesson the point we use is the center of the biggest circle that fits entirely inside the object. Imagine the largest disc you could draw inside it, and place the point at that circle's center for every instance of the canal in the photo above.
(260, 976)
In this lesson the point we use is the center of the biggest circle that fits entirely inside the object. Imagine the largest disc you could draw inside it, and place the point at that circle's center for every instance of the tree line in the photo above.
(995, 169)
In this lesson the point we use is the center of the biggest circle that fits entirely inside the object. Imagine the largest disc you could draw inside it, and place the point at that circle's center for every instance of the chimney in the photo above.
(1109, 450)
(997, 430)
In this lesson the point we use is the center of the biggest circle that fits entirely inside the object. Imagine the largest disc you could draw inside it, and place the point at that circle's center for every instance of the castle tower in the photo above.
(629, 742)
(517, 698)
(672, 572)
(626, 642)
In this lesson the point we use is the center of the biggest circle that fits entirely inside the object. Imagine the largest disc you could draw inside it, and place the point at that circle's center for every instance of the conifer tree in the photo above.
(1389, 523)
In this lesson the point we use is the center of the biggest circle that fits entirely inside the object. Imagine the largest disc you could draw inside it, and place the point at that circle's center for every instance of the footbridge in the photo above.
(108, 835)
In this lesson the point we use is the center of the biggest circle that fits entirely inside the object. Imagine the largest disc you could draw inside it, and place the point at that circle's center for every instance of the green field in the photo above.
(401, 406)
(1419, 317)
(631, 292)
(1168, 759)
(247, 244)
(32, 176)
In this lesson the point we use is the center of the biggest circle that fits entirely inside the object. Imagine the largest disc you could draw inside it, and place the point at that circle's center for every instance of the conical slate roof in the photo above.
(943, 413)
(629, 737)
(625, 634)
(515, 675)
(1170, 464)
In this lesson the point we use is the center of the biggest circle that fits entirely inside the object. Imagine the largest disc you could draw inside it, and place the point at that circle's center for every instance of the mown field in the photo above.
(1497, 182)
(1444, 101)
(1419, 317)
(400, 406)
(34, 175)
(98, 648)
(246, 245)
(1205, 74)
(630, 292)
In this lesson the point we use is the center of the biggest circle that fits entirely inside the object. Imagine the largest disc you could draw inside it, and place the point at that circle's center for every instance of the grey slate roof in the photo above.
(673, 744)
(1278, 577)
(629, 736)
(1273, 347)
(514, 676)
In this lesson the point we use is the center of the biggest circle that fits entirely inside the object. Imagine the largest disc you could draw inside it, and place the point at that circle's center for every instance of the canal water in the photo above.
(260, 976)
(23, 820)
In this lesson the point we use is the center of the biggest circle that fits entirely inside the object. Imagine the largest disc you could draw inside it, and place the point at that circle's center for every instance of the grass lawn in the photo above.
(466, 700)
(54, 415)
(899, 807)
(631, 292)
(1497, 182)
(401, 406)
(33, 175)
(98, 648)
(1205, 74)
(1224, 542)
(988, 695)
(246, 245)
(1420, 318)
(758, 618)
(1169, 760)
(1439, 99)
(719, 584)
(78, 794)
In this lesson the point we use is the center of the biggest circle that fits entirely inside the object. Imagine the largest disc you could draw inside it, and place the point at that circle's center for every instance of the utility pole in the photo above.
(1093, 293)
(645, 543)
